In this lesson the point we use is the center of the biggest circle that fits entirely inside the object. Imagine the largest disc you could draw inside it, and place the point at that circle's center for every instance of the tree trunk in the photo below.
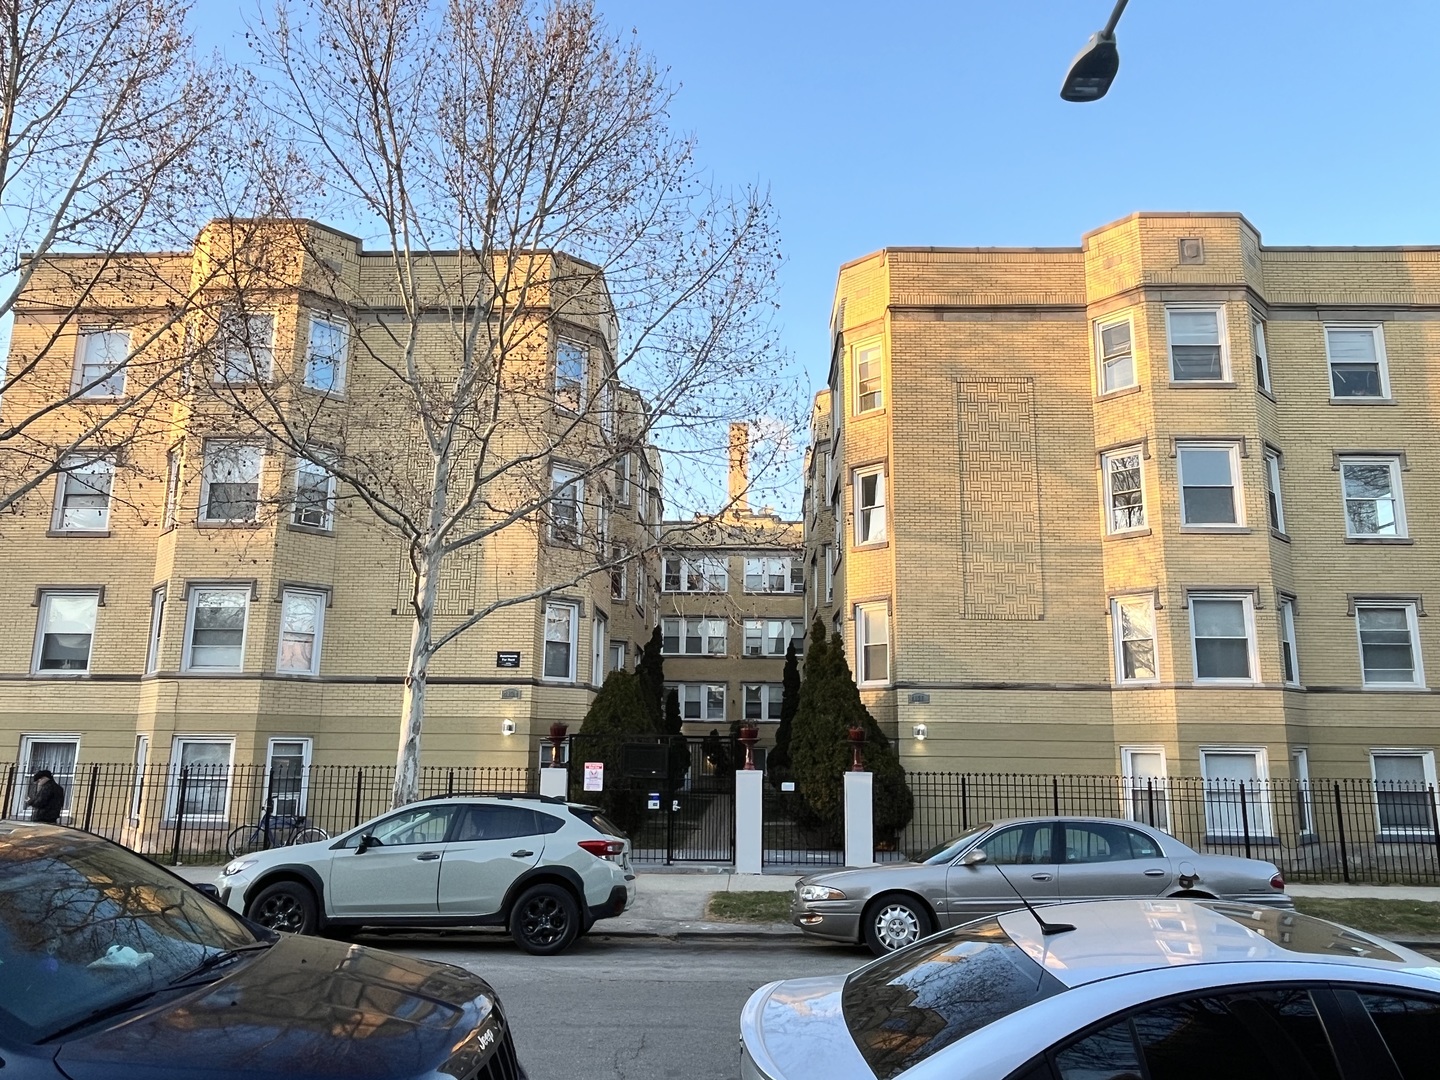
(407, 759)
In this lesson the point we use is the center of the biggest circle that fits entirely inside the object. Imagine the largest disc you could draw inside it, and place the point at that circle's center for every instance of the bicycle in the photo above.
(272, 830)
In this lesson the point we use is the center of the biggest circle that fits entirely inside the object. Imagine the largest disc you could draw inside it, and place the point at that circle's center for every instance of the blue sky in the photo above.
(939, 121)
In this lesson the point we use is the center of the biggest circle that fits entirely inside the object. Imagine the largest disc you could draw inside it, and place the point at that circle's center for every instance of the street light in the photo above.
(1093, 69)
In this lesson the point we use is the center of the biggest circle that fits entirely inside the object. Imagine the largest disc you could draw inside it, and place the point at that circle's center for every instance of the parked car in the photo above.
(544, 868)
(112, 968)
(1046, 860)
(1116, 990)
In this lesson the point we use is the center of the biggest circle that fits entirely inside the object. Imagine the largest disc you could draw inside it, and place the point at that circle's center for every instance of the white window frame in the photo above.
(864, 613)
(1224, 343)
(215, 451)
(172, 488)
(574, 641)
(599, 644)
(245, 358)
(1138, 794)
(46, 597)
(158, 597)
(1377, 333)
(335, 363)
(868, 353)
(72, 481)
(310, 516)
(826, 558)
(1107, 469)
(1285, 611)
(622, 479)
(791, 631)
(619, 575)
(319, 599)
(1397, 496)
(566, 385)
(694, 574)
(191, 603)
(172, 795)
(1247, 603)
(307, 746)
(563, 477)
(617, 655)
(1237, 489)
(1261, 353)
(1274, 500)
(64, 777)
(1258, 808)
(137, 780)
(1427, 762)
(1300, 793)
(703, 694)
(105, 371)
(770, 702)
(1118, 605)
(705, 634)
(1105, 363)
(1410, 608)
(767, 568)
(871, 523)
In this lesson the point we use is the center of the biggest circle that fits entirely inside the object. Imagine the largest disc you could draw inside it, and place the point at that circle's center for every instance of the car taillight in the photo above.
(1278, 882)
(603, 849)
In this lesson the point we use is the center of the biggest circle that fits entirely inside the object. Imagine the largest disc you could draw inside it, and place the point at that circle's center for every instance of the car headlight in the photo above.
(238, 865)
(820, 892)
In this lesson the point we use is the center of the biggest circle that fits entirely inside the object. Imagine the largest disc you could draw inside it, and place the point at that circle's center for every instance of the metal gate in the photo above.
(673, 796)
(793, 836)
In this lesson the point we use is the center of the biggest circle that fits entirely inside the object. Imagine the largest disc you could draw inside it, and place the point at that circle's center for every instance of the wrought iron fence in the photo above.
(1354, 830)
(185, 814)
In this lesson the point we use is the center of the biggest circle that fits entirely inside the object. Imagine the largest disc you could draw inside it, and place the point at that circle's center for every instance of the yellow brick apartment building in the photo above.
(203, 597)
(1164, 504)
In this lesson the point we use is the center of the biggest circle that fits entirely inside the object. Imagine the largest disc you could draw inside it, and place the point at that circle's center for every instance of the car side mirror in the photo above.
(212, 891)
(366, 842)
(973, 857)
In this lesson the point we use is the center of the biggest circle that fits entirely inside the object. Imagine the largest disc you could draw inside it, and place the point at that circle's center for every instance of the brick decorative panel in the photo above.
(1000, 501)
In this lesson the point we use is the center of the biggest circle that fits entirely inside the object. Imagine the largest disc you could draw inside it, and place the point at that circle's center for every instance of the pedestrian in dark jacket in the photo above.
(46, 797)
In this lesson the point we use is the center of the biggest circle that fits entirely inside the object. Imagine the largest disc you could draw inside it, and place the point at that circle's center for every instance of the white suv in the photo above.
(542, 867)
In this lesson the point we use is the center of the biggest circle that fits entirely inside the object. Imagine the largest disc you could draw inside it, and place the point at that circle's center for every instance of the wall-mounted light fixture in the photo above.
(921, 732)
(507, 727)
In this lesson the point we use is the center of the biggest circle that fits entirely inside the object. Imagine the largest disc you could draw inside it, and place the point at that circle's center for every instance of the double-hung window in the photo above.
(1389, 645)
(172, 488)
(622, 480)
(230, 482)
(768, 574)
(772, 637)
(302, 618)
(1222, 630)
(762, 701)
(616, 659)
(1197, 344)
(82, 494)
(869, 506)
(829, 573)
(567, 493)
(618, 575)
(1262, 357)
(872, 643)
(692, 637)
(206, 764)
(1124, 490)
(1116, 356)
(314, 493)
(571, 361)
(1273, 503)
(1289, 653)
(1144, 771)
(703, 574)
(65, 632)
(215, 628)
(1236, 792)
(1356, 357)
(100, 363)
(1209, 484)
(157, 626)
(561, 625)
(1374, 504)
(868, 393)
(325, 355)
(1134, 627)
(1404, 791)
(701, 701)
(246, 351)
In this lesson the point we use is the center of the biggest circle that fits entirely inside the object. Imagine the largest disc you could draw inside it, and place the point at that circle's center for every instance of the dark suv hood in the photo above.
(305, 1008)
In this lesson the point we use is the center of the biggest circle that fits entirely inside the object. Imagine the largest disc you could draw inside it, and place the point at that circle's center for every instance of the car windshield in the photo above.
(915, 1002)
(943, 853)
(86, 925)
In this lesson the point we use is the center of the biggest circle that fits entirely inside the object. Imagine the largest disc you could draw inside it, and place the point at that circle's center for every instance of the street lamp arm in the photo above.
(1109, 30)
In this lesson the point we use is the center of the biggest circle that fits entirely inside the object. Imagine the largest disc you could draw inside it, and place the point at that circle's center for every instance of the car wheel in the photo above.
(545, 920)
(892, 922)
(287, 906)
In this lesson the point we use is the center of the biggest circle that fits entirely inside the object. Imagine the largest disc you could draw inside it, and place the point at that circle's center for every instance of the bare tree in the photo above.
(111, 138)
(561, 285)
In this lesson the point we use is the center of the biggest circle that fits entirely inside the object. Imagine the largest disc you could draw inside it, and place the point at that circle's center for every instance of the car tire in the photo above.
(545, 920)
(287, 906)
(893, 921)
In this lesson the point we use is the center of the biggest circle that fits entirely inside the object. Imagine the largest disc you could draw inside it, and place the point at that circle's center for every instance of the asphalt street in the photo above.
(630, 1008)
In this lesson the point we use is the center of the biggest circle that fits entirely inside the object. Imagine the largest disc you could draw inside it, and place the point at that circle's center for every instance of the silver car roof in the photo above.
(1118, 937)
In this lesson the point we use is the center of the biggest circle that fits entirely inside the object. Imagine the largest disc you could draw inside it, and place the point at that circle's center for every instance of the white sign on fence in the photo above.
(594, 776)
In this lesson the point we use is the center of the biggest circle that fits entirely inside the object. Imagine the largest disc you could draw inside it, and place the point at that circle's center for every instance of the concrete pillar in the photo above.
(554, 781)
(859, 819)
(749, 800)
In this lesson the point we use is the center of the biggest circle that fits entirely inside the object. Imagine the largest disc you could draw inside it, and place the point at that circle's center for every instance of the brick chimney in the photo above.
(739, 468)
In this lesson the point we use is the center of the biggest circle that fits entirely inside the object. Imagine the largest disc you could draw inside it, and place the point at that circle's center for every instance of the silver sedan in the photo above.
(989, 868)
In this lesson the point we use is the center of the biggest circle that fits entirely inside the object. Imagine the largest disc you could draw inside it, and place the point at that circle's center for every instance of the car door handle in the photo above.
(1040, 877)
(1154, 873)
(429, 856)
(521, 854)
